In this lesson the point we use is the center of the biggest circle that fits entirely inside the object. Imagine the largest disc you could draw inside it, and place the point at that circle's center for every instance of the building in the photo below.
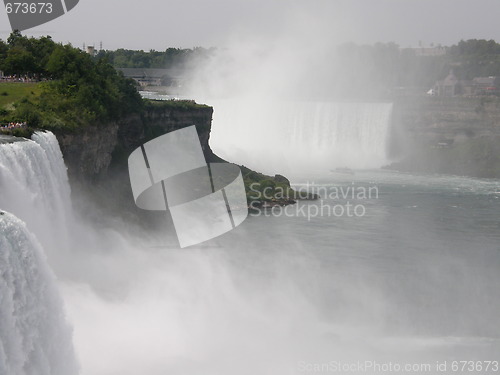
(450, 86)
(430, 51)
(486, 85)
(426, 51)
(91, 50)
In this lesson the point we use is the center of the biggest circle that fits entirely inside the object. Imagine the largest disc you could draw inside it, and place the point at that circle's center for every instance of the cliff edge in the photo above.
(448, 135)
(97, 155)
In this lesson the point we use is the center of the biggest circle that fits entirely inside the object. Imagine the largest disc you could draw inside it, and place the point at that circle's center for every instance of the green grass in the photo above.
(261, 188)
(11, 92)
(182, 105)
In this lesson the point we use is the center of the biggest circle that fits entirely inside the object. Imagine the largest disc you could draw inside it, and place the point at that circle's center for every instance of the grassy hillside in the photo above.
(11, 92)
(14, 97)
(75, 89)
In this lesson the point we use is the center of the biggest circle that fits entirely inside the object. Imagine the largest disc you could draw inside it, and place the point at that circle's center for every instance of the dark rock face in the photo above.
(89, 152)
(447, 135)
(159, 121)
(434, 119)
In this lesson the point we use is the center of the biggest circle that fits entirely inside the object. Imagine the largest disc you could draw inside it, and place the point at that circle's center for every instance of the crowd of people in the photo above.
(24, 79)
(13, 125)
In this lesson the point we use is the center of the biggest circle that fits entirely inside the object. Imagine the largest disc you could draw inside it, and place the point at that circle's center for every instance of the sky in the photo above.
(159, 24)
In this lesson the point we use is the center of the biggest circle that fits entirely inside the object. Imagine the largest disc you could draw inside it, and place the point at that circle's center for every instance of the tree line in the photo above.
(76, 89)
(379, 69)
(350, 69)
(170, 58)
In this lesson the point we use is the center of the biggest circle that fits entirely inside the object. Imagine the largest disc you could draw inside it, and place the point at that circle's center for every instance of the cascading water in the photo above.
(413, 281)
(35, 187)
(298, 137)
(34, 336)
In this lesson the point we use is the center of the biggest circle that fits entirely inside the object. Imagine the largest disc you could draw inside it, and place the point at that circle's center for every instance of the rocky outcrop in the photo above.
(87, 152)
(90, 151)
(447, 135)
(163, 117)
(435, 119)
(97, 157)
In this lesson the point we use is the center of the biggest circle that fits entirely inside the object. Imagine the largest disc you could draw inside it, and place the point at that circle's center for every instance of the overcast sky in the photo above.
(158, 24)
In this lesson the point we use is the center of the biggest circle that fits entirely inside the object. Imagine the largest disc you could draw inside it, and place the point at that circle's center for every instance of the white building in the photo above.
(91, 50)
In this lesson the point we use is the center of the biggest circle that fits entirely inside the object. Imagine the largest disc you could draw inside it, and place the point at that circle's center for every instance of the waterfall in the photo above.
(297, 137)
(34, 187)
(34, 336)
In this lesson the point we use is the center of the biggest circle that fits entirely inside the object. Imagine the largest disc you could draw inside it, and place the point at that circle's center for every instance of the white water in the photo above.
(34, 336)
(35, 187)
(412, 282)
(295, 137)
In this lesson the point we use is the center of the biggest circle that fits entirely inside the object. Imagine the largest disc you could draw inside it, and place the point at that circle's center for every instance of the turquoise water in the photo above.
(417, 278)
(410, 276)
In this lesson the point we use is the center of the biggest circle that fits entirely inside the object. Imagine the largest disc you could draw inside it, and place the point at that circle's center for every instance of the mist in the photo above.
(414, 280)
(298, 99)
(278, 294)
(288, 298)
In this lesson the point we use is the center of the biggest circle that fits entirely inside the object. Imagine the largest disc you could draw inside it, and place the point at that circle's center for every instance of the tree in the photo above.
(4, 48)
(19, 62)
(16, 39)
(41, 49)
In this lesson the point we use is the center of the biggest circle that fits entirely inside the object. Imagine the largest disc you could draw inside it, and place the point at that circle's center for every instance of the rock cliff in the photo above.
(447, 135)
(90, 151)
(97, 156)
